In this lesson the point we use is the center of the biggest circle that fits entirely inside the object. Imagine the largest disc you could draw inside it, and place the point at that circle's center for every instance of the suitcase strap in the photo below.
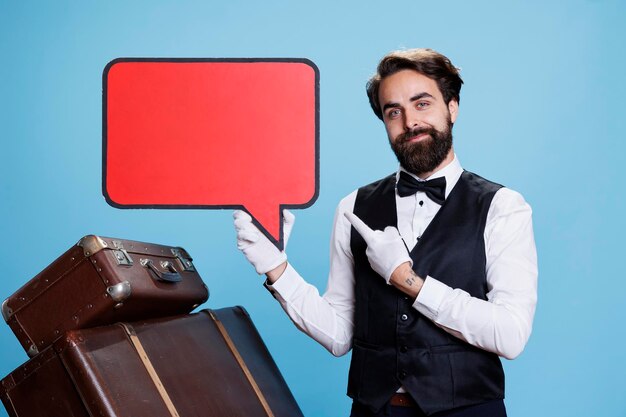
(242, 364)
(130, 331)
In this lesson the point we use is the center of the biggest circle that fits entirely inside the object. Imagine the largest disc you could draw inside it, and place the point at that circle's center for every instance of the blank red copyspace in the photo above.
(211, 135)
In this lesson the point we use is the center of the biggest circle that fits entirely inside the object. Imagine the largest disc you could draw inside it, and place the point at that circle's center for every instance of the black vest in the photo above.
(394, 345)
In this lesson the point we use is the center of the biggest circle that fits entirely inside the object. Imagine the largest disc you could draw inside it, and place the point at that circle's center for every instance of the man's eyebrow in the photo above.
(412, 99)
(390, 105)
(420, 96)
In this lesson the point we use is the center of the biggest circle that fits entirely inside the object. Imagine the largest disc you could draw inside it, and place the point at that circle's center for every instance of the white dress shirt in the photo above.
(502, 324)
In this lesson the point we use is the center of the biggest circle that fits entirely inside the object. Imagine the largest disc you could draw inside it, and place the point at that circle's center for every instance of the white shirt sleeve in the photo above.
(503, 323)
(328, 319)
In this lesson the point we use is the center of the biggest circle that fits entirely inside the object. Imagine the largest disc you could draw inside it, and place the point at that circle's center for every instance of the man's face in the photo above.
(417, 120)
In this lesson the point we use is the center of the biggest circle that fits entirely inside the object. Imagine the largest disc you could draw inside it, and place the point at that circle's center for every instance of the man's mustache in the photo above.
(408, 135)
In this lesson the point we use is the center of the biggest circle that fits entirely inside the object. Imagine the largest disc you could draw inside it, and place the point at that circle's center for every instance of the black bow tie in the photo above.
(435, 189)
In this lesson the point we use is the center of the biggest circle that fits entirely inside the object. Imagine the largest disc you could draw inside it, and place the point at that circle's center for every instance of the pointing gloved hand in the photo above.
(257, 248)
(385, 249)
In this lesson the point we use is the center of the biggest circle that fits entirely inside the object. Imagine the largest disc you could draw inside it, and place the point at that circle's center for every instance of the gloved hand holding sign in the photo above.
(257, 248)
(386, 250)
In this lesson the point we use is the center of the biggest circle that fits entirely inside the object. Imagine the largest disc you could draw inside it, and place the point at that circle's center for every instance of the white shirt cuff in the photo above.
(430, 297)
(286, 284)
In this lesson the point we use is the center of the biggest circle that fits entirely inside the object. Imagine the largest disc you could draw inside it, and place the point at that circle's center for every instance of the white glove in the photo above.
(257, 248)
(385, 250)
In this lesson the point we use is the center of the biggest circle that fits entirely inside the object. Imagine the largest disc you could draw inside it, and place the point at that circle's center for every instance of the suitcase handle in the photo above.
(173, 276)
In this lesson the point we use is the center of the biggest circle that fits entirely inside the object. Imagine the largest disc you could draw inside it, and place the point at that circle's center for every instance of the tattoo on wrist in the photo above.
(411, 278)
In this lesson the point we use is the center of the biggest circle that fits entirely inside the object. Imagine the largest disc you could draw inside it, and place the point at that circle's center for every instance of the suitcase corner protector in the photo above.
(7, 311)
(120, 292)
(32, 351)
(92, 244)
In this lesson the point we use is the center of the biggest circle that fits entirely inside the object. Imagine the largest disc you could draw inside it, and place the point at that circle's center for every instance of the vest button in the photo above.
(404, 317)
(404, 349)
(402, 374)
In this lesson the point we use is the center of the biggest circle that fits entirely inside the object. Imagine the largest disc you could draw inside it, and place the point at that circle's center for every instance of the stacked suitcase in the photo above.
(109, 334)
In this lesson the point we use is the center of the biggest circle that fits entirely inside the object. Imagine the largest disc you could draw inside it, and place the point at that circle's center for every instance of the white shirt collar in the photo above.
(452, 172)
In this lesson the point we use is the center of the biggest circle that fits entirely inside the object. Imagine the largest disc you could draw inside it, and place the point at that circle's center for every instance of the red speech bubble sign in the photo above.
(212, 134)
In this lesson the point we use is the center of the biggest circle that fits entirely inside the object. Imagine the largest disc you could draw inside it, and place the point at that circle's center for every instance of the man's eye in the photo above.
(394, 113)
(422, 105)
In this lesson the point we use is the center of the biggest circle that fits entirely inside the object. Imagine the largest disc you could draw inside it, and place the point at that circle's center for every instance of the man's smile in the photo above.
(415, 135)
(417, 138)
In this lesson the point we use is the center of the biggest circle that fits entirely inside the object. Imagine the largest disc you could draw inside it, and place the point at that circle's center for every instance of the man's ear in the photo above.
(453, 108)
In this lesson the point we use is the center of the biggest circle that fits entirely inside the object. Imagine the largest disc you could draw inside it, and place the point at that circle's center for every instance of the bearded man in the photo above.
(433, 269)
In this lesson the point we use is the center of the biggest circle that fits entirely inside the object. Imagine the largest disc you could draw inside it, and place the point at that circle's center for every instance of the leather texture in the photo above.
(72, 292)
(99, 372)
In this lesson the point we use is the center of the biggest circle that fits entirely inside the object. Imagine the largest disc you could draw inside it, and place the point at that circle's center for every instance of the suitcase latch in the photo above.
(184, 260)
(121, 256)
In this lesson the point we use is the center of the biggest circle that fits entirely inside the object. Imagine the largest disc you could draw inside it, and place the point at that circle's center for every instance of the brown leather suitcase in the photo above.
(100, 281)
(207, 364)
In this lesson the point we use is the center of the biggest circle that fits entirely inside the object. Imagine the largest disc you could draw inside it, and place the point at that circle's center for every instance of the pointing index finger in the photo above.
(363, 229)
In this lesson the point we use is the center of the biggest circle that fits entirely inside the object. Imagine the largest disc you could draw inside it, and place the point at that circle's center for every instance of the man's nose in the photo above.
(411, 120)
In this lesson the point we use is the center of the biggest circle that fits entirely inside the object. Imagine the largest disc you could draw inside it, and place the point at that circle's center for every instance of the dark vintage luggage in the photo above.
(207, 364)
(100, 281)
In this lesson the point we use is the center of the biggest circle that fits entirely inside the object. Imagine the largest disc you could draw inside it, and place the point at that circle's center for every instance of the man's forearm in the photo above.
(460, 315)
(501, 325)
(327, 319)
(406, 280)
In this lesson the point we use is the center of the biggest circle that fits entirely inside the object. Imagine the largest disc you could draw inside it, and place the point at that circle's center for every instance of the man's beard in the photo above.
(426, 155)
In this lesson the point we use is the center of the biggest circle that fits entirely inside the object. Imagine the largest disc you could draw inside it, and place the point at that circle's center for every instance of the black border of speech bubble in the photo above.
(280, 244)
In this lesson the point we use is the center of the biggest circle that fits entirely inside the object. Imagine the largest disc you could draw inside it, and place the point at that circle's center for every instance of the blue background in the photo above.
(541, 111)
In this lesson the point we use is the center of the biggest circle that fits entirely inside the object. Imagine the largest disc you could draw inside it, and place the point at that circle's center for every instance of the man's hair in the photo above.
(425, 61)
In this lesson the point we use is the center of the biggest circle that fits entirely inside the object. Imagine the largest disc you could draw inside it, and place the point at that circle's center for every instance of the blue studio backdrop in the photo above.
(541, 111)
